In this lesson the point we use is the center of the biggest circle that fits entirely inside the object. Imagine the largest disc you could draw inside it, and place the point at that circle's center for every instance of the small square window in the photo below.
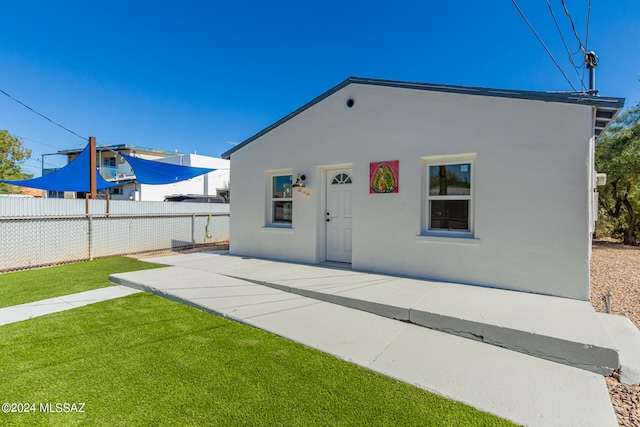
(282, 211)
(449, 215)
(282, 186)
(450, 180)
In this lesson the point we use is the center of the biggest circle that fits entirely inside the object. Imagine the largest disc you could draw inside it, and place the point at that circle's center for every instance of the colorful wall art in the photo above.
(383, 177)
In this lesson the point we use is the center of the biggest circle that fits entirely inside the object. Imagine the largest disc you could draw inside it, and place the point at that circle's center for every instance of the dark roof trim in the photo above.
(227, 154)
(607, 108)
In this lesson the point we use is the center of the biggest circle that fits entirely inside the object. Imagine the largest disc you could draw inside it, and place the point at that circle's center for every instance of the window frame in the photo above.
(272, 200)
(427, 198)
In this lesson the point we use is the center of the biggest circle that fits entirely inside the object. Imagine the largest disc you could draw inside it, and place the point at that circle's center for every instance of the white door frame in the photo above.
(325, 172)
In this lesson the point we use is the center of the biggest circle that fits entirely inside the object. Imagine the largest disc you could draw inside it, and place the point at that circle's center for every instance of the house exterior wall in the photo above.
(532, 187)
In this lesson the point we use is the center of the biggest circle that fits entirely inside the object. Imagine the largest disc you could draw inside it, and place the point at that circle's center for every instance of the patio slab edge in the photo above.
(599, 359)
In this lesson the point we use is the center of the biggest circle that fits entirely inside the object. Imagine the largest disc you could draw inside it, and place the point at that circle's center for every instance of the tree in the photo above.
(618, 155)
(12, 155)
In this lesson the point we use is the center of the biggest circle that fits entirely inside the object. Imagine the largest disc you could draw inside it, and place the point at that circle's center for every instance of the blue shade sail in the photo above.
(72, 177)
(75, 175)
(154, 173)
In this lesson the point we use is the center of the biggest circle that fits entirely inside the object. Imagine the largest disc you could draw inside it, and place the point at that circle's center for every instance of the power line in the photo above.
(40, 164)
(573, 27)
(42, 115)
(543, 45)
(586, 40)
(105, 147)
(37, 142)
(566, 47)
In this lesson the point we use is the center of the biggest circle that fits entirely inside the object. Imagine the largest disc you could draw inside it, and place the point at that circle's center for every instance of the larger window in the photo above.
(449, 197)
(282, 199)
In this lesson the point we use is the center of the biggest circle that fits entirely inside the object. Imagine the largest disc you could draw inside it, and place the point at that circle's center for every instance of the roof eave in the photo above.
(227, 154)
(604, 117)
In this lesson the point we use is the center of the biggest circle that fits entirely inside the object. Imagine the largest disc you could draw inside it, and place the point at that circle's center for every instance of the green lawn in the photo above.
(35, 285)
(143, 360)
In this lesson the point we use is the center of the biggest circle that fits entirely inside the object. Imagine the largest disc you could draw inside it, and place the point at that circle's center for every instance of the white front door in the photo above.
(338, 215)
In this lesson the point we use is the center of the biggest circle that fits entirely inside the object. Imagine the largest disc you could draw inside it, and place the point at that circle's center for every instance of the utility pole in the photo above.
(93, 192)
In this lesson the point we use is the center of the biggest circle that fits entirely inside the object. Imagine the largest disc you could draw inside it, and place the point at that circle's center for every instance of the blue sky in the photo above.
(200, 76)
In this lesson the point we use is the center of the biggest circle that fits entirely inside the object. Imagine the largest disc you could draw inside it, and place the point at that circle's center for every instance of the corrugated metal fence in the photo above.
(40, 232)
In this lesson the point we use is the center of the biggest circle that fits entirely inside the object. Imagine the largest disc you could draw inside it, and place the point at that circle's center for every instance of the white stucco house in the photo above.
(462, 184)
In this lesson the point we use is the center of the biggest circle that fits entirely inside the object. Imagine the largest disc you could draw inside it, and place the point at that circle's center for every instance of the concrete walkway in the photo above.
(332, 310)
(30, 310)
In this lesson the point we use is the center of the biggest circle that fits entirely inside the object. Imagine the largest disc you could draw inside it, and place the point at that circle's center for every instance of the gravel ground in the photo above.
(616, 268)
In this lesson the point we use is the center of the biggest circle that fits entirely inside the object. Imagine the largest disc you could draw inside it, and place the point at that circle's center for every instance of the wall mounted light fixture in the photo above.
(299, 181)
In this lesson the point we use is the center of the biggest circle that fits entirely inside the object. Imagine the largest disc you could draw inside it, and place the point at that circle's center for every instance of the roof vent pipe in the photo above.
(591, 62)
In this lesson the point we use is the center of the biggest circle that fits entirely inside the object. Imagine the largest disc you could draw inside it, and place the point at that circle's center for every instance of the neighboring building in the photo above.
(32, 192)
(469, 185)
(114, 167)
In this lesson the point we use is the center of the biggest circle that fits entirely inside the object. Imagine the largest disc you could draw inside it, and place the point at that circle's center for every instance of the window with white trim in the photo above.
(449, 197)
(281, 199)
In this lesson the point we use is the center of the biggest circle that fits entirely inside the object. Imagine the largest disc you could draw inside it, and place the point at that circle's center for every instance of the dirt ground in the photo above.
(615, 268)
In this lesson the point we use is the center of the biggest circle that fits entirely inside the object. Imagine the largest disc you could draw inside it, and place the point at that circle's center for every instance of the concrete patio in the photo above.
(355, 316)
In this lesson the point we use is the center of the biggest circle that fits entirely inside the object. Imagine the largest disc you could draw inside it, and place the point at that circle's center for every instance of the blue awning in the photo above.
(75, 175)
(72, 177)
(154, 172)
